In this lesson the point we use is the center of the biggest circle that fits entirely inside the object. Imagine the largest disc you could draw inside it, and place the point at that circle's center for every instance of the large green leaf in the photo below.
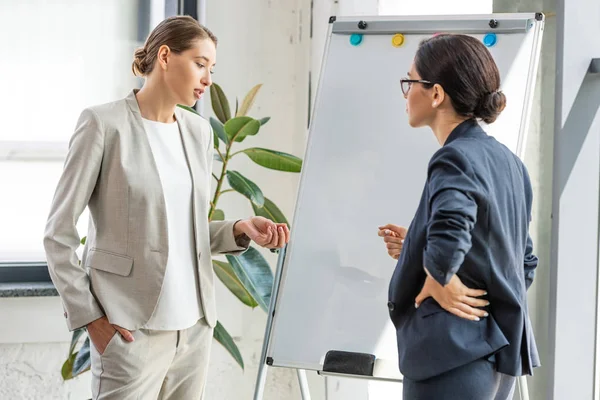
(219, 129)
(75, 338)
(274, 159)
(248, 101)
(246, 187)
(223, 337)
(240, 127)
(190, 109)
(83, 360)
(67, 368)
(271, 211)
(256, 275)
(219, 102)
(226, 274)
(218, 215)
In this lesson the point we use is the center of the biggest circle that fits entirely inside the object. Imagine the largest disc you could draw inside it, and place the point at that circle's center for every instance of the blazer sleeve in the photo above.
(530, 261)
(61, 239)
(453, 213)
(222, 239)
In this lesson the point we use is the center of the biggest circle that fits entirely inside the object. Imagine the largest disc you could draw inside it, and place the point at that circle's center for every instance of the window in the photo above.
(64, 56)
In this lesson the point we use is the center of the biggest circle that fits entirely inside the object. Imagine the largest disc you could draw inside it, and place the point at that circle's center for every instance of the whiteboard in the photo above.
(364, 167)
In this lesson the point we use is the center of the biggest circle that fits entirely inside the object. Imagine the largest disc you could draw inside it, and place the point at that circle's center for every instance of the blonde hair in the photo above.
(178, 32)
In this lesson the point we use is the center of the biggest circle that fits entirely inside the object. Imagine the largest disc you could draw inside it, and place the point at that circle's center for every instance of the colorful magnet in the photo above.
(398, 40)
(490, 39)
(355, 39)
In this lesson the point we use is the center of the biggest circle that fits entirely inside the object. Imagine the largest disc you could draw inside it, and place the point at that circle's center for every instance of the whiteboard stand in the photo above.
(262, 367)
(317, 277)
(523, 390)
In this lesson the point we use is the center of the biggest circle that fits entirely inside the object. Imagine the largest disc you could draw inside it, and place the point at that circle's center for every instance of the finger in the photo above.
(389, 226)
(386, 232)
(421, 297)
(399, 230)
(394, 254)
(475, 292)
(462, 314)
(281, 238)
(275, 239)
(473, 302)
(125, 333)
(470, 310)
(393, 239)
(381, 233)
(286, 233)
(394, 245)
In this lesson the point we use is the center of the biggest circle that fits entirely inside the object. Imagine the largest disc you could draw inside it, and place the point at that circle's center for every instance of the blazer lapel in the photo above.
(193, 150)
(144, 157)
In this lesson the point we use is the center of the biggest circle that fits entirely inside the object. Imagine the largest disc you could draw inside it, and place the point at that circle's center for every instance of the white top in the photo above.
(179, 304)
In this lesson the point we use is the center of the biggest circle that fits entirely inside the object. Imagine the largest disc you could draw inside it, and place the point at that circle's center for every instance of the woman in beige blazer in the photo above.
(143, 167)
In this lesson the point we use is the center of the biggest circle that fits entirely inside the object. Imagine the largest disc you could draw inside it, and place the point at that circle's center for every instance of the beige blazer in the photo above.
(110, 169)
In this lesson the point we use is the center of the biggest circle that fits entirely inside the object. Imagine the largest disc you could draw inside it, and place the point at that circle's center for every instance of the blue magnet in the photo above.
(490, 39)
(355, 39)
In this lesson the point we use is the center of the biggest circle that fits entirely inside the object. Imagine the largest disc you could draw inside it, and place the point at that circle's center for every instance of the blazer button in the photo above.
(391, 306)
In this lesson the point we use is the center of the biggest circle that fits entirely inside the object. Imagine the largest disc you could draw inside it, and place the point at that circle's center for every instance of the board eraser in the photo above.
(346, 362)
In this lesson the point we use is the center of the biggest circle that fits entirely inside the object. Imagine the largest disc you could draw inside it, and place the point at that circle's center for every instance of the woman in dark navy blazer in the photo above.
(458, 295)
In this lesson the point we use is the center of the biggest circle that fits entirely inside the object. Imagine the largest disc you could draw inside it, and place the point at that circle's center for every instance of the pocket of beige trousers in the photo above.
(108, 345)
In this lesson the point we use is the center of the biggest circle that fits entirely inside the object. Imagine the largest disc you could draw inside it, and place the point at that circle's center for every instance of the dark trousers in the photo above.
(478, 380)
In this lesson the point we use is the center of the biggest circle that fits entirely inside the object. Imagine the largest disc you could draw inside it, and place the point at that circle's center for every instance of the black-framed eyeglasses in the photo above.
(406, 84)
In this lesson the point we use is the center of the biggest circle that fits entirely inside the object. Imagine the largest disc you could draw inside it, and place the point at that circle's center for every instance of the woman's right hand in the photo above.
(393, 236)
(101, 332)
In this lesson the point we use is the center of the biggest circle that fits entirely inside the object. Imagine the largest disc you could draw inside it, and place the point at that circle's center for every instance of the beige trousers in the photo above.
(157, 365)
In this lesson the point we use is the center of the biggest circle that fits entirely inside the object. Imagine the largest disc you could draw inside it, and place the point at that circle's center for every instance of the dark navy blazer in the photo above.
(473, 221)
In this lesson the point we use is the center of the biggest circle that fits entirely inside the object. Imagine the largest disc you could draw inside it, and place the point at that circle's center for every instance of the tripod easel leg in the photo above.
(523, 390)
(304, 390)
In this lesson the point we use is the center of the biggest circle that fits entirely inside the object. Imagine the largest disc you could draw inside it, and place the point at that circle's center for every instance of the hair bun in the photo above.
(140, 62)
(490, 106)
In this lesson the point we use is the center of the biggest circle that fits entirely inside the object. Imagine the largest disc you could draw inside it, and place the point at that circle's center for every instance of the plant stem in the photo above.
(213, 204)
(219, 153)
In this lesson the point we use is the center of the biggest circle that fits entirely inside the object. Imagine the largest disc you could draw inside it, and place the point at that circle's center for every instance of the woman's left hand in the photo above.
(264, 232)
(455, 297)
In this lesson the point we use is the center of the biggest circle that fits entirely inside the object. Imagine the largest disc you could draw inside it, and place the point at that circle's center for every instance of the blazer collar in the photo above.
(468, 128)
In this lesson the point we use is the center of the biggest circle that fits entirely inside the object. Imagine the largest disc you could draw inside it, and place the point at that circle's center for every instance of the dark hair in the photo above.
(464, 67)
(179, 33)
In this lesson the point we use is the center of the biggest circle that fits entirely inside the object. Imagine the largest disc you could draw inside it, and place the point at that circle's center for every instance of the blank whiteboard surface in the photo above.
(364, 167)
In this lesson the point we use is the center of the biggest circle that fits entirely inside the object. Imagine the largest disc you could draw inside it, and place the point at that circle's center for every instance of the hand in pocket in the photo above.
(101, 332)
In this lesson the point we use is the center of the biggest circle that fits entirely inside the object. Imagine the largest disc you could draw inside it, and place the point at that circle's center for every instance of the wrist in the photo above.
(239, 228)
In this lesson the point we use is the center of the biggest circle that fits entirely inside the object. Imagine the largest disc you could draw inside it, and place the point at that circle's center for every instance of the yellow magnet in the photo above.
(398, 40)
